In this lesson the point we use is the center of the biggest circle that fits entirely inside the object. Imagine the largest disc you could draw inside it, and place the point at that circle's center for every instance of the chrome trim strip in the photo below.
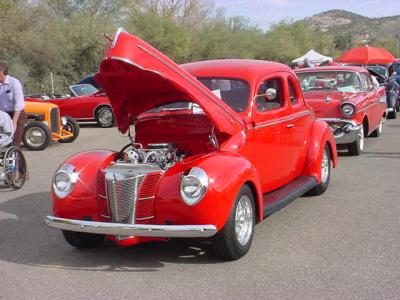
(365, 108)
(282, 120)
(131, 229)
(145, 218)
(146, 198)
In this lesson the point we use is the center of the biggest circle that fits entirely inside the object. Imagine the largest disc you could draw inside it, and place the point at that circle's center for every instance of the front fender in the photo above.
(320, 136)
(227, 173)
(82, 202)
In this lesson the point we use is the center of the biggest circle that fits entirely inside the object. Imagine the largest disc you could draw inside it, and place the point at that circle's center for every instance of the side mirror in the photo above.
(270, 94)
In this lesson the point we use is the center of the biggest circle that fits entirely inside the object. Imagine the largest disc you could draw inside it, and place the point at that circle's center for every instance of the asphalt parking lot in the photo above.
(344, 244)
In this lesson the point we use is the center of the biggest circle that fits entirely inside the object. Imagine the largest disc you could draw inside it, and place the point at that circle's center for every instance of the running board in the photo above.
(279, 198)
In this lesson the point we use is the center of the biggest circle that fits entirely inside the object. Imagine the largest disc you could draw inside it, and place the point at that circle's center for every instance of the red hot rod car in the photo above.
(347, 99)
(218, 145)
(86, 103)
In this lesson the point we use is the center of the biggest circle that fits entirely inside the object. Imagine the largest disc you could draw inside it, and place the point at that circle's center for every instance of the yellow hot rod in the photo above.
(45, 125)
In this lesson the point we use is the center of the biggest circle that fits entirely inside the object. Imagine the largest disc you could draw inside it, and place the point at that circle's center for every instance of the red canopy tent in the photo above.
(366, 55)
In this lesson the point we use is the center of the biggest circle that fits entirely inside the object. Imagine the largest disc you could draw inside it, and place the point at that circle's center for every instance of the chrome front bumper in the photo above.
(184, 231)
(349, 133)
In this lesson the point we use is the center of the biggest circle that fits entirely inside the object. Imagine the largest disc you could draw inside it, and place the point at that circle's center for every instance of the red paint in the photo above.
(265, 150)
(369, 107)
(81, 108)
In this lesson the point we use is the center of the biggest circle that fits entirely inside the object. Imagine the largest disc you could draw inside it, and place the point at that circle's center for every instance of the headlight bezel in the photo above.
(197, 178)
(71, 176)
(344, 106)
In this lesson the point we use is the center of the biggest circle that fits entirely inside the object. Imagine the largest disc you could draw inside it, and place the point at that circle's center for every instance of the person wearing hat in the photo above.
(12, 102)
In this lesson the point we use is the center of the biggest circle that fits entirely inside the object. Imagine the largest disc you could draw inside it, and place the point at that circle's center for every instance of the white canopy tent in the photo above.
(313, 57)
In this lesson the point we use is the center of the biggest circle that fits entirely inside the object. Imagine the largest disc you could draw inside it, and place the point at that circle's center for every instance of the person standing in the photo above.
(12, 102)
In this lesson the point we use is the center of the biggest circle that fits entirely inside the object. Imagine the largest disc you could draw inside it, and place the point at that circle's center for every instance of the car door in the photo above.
(300, 122)
(273, 134)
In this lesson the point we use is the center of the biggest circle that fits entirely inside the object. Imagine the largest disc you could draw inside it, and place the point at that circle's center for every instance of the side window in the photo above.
(293, 97)
(270, 95)
(364, 82)
(369, 82)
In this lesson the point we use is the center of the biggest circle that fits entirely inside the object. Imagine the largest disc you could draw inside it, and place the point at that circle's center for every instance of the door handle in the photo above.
(289, 125)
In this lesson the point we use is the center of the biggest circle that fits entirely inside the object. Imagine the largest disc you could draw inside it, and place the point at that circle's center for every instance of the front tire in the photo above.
(357, 147)
(73, 127)
(104, 117)
(326, 164)
(377, 132)
(83, 240)
(234, 240)
(36, 136)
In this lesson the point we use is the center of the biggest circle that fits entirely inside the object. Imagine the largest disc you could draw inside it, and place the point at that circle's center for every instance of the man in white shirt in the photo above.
(12, 101)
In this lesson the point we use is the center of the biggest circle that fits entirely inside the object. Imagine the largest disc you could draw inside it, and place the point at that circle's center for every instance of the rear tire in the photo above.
(73, 127)
(83, 240)
(104, 117)
(326, 164)
(234, 240)
(36, 136)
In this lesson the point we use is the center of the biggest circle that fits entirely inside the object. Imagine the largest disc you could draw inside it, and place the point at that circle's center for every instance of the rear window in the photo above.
(234, 92)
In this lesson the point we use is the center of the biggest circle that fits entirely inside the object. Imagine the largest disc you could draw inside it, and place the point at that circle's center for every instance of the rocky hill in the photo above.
(347, 25)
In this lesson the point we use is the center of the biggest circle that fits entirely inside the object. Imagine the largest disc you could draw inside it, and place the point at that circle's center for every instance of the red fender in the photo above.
(82, 202)
(227, 173)
(321, 135)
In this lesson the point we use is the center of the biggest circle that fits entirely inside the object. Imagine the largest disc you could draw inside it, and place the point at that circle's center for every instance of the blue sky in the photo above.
(265, 12)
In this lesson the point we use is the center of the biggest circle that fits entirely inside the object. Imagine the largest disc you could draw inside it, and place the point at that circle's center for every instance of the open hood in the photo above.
(136, 77)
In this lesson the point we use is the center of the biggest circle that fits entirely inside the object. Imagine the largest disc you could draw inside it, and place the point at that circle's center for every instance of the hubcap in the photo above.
(105, 116)
(35, 136)
(324, 167)
(244, 220)
(361, 135)
(380, 128)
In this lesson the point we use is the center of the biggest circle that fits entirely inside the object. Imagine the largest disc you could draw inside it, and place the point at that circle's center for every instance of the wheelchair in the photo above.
(13, 170)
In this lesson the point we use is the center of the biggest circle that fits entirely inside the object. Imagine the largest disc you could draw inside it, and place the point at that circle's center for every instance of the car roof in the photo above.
(332, 68)
(246, 69)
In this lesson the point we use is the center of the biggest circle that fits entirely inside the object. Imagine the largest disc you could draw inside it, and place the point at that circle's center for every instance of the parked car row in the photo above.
(214, 147)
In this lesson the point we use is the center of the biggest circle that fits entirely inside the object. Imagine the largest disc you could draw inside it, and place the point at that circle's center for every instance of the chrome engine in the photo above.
(162, 155)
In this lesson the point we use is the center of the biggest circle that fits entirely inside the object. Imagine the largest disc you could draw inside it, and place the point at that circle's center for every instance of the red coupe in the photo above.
(348, 100)
(86, 103)
(215, 147)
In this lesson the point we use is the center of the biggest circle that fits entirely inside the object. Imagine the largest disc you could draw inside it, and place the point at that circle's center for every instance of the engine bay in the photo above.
(163, 155)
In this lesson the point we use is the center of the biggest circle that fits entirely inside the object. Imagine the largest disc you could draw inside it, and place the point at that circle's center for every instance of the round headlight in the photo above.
(64, 180)
(194, 186)
(348, 109)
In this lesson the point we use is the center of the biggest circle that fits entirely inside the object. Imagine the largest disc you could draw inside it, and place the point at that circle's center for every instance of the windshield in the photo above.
(83, 89)
(339, 81)
(233, 92)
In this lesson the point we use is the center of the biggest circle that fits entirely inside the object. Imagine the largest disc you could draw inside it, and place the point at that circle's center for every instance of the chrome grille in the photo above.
(122, 195)
(55, 119)
(129, 190)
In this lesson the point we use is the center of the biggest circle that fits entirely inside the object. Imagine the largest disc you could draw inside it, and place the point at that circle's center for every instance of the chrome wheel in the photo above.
(15, 171)
(361, 136)
(380, 128)
(105, 117)
(35, 136)
(244, 220)
(325, 167)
